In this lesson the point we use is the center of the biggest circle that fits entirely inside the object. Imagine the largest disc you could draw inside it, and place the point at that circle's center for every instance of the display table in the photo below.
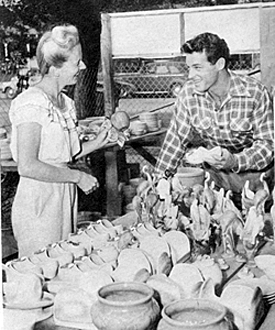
(232, 273)
(127, 221)
(113, 165)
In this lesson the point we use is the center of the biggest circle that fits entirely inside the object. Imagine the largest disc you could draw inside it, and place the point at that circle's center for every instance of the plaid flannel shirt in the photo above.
(243, 124)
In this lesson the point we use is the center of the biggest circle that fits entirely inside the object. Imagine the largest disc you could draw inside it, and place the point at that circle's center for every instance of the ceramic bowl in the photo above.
(189, 176)
(137, 127)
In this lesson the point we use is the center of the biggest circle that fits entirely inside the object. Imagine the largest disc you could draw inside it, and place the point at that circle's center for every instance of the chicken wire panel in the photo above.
(151, 84)
(141, 84)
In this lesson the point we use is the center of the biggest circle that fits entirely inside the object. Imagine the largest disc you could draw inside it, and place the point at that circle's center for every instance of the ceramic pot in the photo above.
(125, 306)
(189, 176)
(194, 314)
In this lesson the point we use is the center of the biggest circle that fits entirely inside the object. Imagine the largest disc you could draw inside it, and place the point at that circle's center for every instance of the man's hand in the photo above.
(226, 161)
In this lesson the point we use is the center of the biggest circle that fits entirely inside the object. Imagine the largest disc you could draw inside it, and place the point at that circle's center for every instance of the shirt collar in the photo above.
(237, 87)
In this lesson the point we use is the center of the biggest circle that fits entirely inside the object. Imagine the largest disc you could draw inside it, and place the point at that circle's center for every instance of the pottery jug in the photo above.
(125, 306)
(193, 314)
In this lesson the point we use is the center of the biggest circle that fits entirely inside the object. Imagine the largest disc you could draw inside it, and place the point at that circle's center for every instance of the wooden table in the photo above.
(113, 165)
(112, 168)
(129, 219)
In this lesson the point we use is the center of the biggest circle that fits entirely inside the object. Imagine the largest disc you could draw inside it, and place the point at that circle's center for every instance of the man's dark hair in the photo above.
(212, 44)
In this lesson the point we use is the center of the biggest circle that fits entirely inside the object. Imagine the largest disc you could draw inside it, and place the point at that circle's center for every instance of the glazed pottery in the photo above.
(125, 306)
(189, 176)
(138, 127)
(151, 120)
(194, 314)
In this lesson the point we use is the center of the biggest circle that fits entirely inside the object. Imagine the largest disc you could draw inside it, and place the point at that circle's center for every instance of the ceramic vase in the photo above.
(125, 306)
(194, 314)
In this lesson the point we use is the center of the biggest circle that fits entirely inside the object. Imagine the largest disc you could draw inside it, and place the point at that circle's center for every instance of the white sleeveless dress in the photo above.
(43, 212)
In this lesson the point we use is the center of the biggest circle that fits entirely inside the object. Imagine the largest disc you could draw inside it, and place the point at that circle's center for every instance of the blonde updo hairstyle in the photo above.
(55, 47)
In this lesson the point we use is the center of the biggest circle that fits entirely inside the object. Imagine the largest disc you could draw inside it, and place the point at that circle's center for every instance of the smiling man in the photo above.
(218, 108)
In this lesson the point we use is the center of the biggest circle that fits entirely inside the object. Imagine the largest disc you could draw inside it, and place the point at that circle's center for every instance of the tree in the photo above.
(85, 14)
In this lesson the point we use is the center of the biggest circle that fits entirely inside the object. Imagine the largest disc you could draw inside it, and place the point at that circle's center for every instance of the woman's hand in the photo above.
(87, 183)
(102, 138)
(90, 146)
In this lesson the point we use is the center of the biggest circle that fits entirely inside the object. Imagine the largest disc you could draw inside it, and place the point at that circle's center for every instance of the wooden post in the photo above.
(107, 67)
(267, 42)
(113, 202)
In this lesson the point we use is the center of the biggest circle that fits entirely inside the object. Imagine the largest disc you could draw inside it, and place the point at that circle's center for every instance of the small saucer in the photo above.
(46, 301)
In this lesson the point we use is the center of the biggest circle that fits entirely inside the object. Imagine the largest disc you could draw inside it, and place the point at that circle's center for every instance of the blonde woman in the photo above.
(44, 139)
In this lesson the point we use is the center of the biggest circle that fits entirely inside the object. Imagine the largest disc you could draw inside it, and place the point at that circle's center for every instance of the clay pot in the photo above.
(194, 314)
(189, 176)
(125, 305)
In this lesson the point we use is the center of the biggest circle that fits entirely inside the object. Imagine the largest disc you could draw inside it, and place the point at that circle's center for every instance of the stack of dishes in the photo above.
(270, 299)
(266, 262)
(138, 127)
(30, 311)
(151, 120)
(266, 285)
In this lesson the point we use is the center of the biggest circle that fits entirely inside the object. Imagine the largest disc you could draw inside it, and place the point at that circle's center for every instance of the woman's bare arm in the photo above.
(29, 139)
